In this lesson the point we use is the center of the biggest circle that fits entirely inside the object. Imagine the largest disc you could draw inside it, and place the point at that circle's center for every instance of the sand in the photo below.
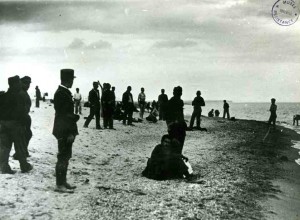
(237, 175)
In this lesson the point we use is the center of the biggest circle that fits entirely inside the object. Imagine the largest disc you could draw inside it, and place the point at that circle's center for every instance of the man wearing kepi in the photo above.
(13, 116)
(25, 82)
(65, 128)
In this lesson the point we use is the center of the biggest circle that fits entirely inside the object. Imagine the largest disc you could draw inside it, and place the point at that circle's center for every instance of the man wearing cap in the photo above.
(38, 97)
(128, 106)
(64, 129)
(198, 102)
(162, 101)
(94, 100)
(108, 104)
(25, 82)
(13, 117)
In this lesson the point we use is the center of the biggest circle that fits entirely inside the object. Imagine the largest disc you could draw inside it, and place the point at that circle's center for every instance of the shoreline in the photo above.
(237, 174)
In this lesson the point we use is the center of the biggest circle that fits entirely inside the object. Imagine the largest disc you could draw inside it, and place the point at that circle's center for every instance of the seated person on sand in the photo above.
(217, 113)
(118, 113)
(166, 161)
(211, 113)
(153, 114)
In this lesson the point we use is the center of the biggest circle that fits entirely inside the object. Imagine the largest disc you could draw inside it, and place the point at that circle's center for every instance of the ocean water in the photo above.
(256, 111)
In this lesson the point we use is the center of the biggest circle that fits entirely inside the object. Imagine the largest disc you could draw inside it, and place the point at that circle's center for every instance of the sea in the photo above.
(258, 111)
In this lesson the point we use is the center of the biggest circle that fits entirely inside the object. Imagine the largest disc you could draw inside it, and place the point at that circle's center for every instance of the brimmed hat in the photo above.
(26, 79)
(66, 74)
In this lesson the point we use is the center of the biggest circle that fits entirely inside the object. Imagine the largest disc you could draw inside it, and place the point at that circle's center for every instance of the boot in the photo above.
(26, 167)
(63, 189)
(65, 183)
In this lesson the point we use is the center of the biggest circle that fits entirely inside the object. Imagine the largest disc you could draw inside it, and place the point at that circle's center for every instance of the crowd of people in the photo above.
(166, 161)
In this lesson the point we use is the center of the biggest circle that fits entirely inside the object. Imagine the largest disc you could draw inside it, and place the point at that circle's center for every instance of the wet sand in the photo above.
(237, 175)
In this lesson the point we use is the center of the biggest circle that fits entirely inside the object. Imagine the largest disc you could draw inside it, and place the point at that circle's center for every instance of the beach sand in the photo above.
(237, 175)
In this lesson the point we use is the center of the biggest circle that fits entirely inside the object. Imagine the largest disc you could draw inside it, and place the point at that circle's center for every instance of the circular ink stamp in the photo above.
(285, 12)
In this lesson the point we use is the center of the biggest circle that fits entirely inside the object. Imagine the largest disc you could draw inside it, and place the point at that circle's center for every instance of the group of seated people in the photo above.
(211, 113)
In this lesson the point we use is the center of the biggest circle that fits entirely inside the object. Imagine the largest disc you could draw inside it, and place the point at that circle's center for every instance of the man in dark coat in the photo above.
(94, 100)
(108, 104)
(65, 128)
(198, 102)
(13, 117)
(128, 106)
(162, 102)
(25, 82)
(38, 97)
(226, 110)
(175, 118)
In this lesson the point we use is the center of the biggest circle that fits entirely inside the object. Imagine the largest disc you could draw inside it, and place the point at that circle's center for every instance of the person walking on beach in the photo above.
(273, 116)
(128, 106)
(108, 103)
(77, 100)
(142, 102)
(94, 100)
(13, 118)
(226, 110)
(25, 83)
(198, 102)
(162, 102)
(64, 129)
(38, 97)
(175, 118)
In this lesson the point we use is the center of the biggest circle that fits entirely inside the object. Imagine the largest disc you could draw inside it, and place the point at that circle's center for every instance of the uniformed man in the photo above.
(162, 102)
(38, 97)
(65, 128)
(128, 106)
(13, 118)
(94, 100)
(198, 102)
(108, 104)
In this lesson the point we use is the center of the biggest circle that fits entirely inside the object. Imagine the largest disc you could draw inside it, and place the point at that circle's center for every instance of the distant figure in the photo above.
(166, 162)
(114, 95)
(211, 113)
(13, 118)
(142, 102)
(94, 100)
(296, 118)
(273, 116)
(226, 110)
(153, 114)
(148, 107)
(217, 113)
(77, 100)
(162, 102)
(128, 106)
(64, 129)
(37, 97)
(175, 117)
(198, 102)
(108, 104)
(25, 83)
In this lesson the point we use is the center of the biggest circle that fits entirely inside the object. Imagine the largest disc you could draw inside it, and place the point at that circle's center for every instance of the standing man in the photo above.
(77, 100)
(175, 118)
(108, 104)
(25, 83)
(273, 116)
(13, 117)
(142, 102)
(94, 100)
(128, 106)
(198, 102)
(64, 129)
(226, 110)
(38, 97)
(162, 102)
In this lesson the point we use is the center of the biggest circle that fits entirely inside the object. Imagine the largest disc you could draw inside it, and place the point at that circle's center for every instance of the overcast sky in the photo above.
(229, 49)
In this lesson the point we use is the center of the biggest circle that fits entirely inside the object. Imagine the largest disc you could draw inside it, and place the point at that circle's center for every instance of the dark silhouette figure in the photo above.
(153, 114)
(13, 118)
(162, 102)
(166, 161)
(108, 104)
(64, 129)
(77, 99)
(25, 83)
(175, 118)
(217, 113)
(94, 100)
(38, 97)
(198, 102)
(128, 106)
(226, 110)
(211, 113)
(273, 116)
(142, 102)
